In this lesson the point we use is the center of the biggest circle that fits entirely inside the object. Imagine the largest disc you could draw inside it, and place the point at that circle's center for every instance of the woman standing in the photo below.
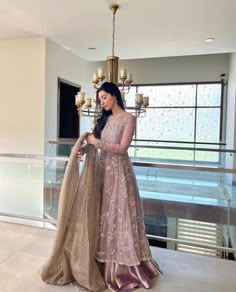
(123, 251)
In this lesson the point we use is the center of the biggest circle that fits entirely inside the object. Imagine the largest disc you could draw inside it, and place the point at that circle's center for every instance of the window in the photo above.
(182, 113)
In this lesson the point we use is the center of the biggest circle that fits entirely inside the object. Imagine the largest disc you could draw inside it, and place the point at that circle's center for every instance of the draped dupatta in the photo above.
(73, 254)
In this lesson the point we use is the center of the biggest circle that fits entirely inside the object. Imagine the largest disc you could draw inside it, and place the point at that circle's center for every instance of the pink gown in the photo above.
(123, 250)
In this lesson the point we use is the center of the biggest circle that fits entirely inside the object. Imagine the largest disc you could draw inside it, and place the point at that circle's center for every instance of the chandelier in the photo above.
(84, 105)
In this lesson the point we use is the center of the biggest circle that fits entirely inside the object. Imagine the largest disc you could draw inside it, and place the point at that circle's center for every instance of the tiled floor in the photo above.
(23, 249)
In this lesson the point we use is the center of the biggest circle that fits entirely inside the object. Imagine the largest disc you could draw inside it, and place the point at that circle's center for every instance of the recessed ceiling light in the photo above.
(208, 40)
(91, 49)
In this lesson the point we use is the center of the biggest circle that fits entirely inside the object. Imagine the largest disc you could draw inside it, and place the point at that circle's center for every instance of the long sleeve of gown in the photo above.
(125, 140)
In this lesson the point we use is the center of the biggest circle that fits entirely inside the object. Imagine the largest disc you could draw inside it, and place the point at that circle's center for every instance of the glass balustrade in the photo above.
(188, 192)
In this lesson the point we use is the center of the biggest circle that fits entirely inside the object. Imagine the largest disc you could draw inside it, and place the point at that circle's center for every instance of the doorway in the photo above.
(69, 122)
(68, 118)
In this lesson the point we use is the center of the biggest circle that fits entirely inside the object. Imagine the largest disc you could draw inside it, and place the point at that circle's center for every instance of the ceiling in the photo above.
(144, 29)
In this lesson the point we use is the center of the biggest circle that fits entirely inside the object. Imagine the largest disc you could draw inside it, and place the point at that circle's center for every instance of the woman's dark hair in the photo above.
(112, 89)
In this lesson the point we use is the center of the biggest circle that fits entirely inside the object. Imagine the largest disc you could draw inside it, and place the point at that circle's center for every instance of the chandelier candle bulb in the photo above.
(95, 77)
(129, 77)
(138, 97)
(88, 102)
(100, 72)
(79, 98)
(146, 100)
(123, 73)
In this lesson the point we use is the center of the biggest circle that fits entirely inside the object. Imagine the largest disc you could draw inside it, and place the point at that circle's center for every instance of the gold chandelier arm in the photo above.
(137, 112)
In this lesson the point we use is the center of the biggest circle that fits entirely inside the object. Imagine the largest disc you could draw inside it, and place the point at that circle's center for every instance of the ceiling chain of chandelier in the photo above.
(84, 105)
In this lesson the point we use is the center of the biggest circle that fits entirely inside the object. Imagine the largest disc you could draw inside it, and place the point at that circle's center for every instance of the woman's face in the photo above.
(107, 100)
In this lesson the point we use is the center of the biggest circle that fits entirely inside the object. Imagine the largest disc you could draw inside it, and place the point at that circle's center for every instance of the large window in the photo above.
(181, 113)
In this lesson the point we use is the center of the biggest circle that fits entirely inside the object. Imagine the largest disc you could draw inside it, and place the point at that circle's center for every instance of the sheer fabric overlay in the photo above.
(73, 255)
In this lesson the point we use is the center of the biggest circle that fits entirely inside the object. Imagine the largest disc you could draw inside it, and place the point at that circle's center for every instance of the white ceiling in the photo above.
(144, 29)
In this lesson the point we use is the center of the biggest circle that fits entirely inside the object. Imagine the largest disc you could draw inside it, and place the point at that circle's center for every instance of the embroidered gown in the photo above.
(122, 248)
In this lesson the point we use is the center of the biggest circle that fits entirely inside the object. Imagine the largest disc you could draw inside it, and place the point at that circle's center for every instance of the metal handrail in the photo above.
(72, 142)
(184, 148)
(179, 142)
(134, 163)
(185, 167)
(64, 142)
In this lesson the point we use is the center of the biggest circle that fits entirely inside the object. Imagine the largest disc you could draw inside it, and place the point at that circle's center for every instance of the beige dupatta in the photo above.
(73, 254)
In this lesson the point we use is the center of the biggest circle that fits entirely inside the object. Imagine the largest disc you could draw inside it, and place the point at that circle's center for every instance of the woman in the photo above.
(122, 250)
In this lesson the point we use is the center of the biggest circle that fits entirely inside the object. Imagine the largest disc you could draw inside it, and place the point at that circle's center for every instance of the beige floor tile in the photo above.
(187, 272)
(15, 237)
(24, 249)
(42, 245)
(4, 254)
(18, 273)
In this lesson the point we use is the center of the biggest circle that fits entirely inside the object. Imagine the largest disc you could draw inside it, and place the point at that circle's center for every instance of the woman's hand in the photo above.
(91, 139)
(79, 156)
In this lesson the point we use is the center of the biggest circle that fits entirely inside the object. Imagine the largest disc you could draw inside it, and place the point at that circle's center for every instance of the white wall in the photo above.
(231, 127)
(22, 95)
(231, 103)
(22, 76)
(231, 111)
(62, 63)
(178, 69)
(230, 120)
